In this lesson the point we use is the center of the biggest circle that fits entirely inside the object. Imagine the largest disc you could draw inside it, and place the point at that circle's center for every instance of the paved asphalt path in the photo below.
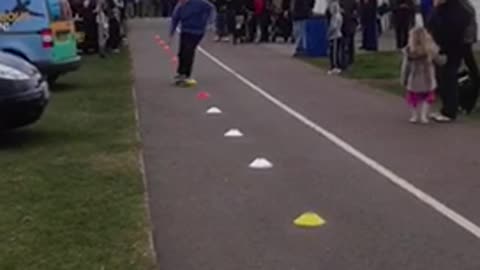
(211, 212)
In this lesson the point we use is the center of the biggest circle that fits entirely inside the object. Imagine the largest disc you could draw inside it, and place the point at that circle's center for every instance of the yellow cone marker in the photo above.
(309, 220)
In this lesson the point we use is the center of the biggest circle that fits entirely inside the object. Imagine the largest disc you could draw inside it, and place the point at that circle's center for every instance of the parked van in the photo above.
(42, 32)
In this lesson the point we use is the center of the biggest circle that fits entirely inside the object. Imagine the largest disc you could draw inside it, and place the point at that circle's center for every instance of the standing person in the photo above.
(238, 21)
(418, 73)
(88, 13)
(193, 16)
(221, 19)
(369, 25)
(251, 21)
(301, 11)
(102, 20)
(167, 8)
(335, 37)
(403, 12)
(349, 29)
(469, 100)
(426, 9)
(448, 25)
(157, 8)
(114, 22)
(261, 18)
(139, 7)
(123, 19)
(130, 8)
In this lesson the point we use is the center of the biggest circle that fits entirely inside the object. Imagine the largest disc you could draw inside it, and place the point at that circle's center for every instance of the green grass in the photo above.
(380, 70)
(71, 195)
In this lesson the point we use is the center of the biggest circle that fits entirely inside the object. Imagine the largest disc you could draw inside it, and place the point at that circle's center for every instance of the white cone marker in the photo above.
(214, 110)
(261, 163)
(233, 133)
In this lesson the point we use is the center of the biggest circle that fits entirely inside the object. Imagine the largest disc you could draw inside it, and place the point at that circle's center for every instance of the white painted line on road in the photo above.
(261, 163)
(233, 133)
(376, 166)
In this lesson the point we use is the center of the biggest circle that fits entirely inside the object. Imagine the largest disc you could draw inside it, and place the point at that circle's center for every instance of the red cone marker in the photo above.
(203, 96)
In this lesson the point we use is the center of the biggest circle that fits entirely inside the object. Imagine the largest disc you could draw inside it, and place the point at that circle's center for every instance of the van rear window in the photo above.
(60, 10)
(22, 15)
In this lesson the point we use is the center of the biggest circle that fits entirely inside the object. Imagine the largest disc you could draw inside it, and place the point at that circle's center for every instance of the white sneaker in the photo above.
(331, 72)
(337, 71)
(414, 117)
(424, 120)
(424, 113)
(443, 119)
(434, 115)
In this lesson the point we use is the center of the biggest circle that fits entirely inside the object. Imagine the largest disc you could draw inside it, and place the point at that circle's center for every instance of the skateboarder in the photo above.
(193, 16)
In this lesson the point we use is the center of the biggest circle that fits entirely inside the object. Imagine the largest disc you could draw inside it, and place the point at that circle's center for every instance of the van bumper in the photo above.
(58, 68)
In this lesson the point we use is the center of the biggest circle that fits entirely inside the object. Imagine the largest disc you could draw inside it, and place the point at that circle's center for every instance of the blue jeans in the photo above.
(300, 35)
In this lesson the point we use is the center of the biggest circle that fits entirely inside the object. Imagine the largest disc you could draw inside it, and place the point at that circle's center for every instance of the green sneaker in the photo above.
(190, 82)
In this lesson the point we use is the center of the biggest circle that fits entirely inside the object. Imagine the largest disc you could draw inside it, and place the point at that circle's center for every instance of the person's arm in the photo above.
(333, 26)
(405, 71)
(433, 27)
(175, 19)
(213, 14)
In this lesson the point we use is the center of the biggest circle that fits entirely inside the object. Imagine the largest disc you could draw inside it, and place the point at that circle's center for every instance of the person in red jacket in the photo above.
(260, 19)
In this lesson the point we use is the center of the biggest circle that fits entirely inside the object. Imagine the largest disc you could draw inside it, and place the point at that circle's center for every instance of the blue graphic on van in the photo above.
(20, 11)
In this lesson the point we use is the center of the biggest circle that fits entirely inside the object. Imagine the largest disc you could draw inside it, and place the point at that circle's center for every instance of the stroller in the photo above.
(282, 26)
(468, 92)
(239, 30)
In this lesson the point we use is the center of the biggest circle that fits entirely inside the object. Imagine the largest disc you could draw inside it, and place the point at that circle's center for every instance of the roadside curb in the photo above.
(141, 167)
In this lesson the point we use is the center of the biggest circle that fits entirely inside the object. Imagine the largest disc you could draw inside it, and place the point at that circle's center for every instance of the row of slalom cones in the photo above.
(166, 48)
(305, 220)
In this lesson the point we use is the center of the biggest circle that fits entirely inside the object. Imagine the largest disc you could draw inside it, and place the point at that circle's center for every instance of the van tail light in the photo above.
(47, 38)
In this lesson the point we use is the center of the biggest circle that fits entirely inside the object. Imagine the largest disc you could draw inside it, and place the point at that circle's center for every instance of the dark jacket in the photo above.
(286, 4)
(350, 16)
(448, 25)
(368, 11)
(403, 12)
(237, 6)
(220, 5)
(302, 9)
(471, 34)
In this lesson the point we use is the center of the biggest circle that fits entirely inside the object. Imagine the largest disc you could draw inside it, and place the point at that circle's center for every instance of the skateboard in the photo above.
(186, 83)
